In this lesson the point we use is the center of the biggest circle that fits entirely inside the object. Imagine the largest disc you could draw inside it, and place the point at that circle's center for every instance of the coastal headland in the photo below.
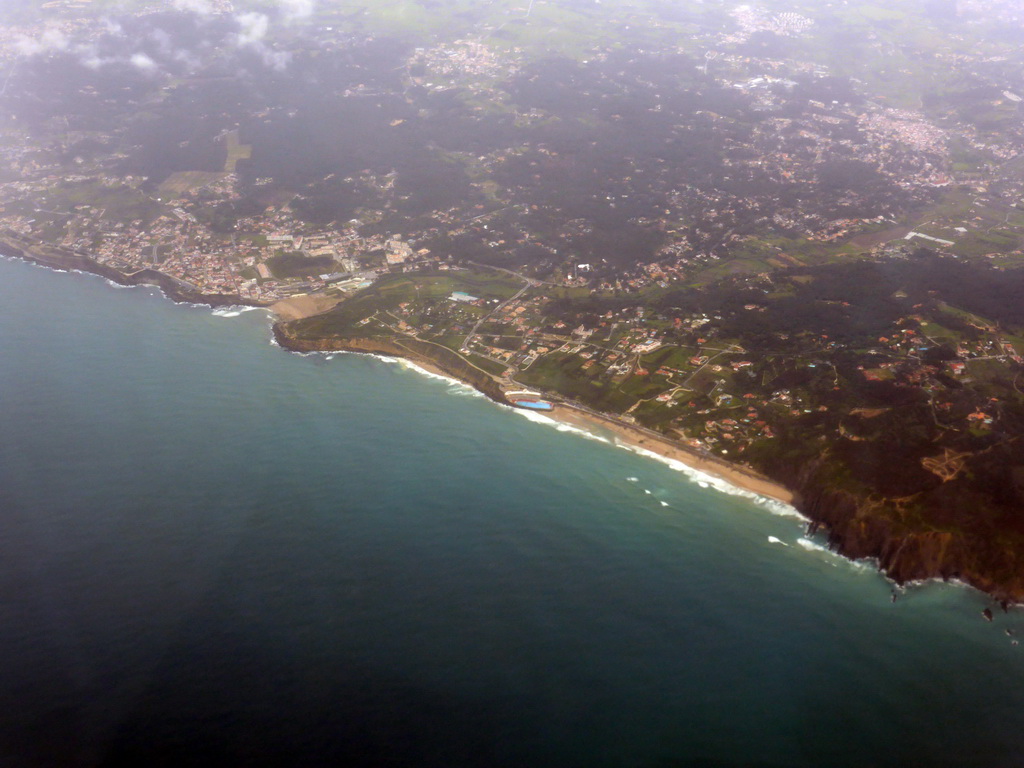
(60, 258)
(750, 261)
(442, 361)
(431, 357)
(853, 524)
(903, 555)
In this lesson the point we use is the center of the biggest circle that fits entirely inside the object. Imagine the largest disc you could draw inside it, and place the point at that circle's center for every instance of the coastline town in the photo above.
(795, 258)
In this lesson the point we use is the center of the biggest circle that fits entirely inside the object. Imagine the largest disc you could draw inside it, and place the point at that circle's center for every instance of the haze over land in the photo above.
(783, 234)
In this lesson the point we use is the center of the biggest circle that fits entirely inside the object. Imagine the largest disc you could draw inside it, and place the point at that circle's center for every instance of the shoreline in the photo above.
(59, 258)
(735, 475)
(894, 555)
(296, 308)
(902, 558)
(631, 436)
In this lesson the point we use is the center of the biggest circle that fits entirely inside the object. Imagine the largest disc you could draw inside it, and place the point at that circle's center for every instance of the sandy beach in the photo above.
(748, 480)
(740, 477)
(590, 421)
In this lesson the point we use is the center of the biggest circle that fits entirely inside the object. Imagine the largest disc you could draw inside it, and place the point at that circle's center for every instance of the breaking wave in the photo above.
(561, 426)
(706, 480)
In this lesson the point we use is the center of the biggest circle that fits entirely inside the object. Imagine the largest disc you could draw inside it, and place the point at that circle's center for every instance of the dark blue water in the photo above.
(216, 552)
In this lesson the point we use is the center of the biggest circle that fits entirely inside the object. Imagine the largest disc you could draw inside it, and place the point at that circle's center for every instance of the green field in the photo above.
(418, 290)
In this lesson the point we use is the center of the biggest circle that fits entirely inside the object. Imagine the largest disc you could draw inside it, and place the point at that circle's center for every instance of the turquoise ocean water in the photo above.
(214, 552)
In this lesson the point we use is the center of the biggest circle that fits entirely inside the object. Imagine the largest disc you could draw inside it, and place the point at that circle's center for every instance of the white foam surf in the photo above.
(834, 558)
(933, 581)
(706, 480)
(112, 283)
(233, 310)
(455, 386)
(540, 418)
(703, 479)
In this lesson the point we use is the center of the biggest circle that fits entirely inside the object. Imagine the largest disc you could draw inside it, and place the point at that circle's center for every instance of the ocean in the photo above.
(217, 552)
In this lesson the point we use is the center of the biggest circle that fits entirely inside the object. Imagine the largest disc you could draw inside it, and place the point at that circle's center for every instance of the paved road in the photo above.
(485, 318)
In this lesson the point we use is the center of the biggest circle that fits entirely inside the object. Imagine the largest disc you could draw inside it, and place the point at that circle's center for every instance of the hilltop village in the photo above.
(716, 237)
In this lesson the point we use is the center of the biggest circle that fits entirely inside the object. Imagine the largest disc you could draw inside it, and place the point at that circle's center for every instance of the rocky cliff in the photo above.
(873, 528)
(422, 352)
(61, 258)
(857, 527)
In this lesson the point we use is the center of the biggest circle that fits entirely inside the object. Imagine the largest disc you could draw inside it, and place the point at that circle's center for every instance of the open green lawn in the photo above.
(182, 182)
(392, 290)
(119, 204)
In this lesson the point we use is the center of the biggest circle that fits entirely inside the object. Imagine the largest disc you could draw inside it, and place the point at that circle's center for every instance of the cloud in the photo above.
(143, 63)
(162, 40)
(158, 53)
(202, 7)
(190, 60)
(50, 40)
(296, 10)
(95, 61)
(113, 28)
(253, 27)
(276, 60)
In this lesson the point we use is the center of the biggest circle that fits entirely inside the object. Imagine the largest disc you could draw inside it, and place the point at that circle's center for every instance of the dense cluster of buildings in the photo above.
(464, 59)
(751, 19)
